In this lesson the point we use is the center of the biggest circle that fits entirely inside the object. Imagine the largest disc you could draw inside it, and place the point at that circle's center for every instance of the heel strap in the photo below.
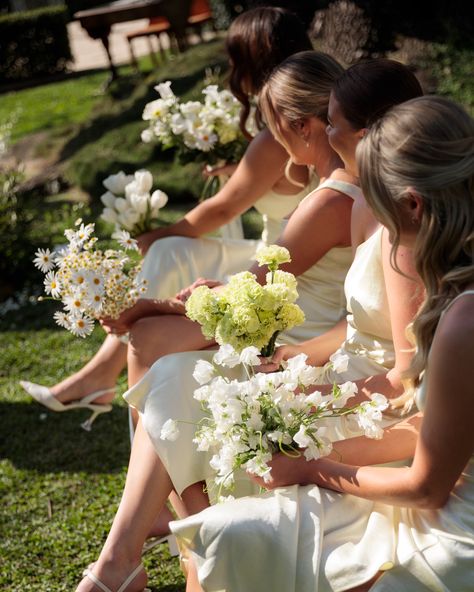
(93, 396)
(105, 588)
(134, 573)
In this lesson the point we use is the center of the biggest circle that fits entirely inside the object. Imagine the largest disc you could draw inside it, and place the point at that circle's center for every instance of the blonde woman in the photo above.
(349, 525)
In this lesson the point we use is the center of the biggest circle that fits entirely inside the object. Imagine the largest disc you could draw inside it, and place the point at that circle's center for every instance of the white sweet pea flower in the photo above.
(258, 465)
(147, 136)
(164, 90)
(202, 393)
(117, 183)
(158, 199)
(314, 451)
(226, 356)
(250, 356)
(108, 199)
(346, 391)
(170, 430)
(339, 362)
(203, 372)
(315, 398)
(302, 438)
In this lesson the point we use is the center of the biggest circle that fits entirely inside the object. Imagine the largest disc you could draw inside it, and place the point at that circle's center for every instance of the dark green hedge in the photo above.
(33, 44)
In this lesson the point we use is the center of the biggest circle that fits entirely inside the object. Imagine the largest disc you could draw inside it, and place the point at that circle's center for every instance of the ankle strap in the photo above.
(105, 588)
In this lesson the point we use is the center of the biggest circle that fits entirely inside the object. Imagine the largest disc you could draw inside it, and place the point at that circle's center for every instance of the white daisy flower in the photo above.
(125, 240)
(44, 260)
(81, 326)
(62, 319)
(74, 303)
(52, 284)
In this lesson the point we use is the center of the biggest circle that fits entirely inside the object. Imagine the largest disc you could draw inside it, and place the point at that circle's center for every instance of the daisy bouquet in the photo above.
(244, 313)
(129, 203)
(90, 283)
(246, 421)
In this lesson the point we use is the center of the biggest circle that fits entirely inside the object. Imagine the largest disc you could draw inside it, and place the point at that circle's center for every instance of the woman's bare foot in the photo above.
(80, 385)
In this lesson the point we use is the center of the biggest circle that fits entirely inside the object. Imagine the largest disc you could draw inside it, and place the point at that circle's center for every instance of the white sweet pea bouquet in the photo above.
(246, 422)
(90, 283)
(193, 127)
(244, 313)
(130, 204)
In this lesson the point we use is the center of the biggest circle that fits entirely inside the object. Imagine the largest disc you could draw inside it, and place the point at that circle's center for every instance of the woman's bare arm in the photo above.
(262, 165)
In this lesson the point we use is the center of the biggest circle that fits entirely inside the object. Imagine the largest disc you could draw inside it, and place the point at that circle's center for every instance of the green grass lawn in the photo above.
(59, 485)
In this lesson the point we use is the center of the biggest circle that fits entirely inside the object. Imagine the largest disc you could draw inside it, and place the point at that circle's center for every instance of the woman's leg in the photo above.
(146, 490)
(154, 337)
(151, 338)
(101, 372)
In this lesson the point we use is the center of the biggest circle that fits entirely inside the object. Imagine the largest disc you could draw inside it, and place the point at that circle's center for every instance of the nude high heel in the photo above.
(122, 588)
(45, 397)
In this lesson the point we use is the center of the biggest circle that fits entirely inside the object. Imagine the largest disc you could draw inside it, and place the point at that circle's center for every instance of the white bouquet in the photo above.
(246, 422)
(210, 127)
(244, 312)
(90, 283)
(129, 203)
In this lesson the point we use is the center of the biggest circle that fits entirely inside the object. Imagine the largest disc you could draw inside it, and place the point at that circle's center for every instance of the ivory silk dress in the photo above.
(174, 262)
(310, 539)
(166, 390)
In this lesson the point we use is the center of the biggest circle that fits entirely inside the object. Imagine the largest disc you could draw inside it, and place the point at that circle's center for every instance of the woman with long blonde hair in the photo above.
(348, 525)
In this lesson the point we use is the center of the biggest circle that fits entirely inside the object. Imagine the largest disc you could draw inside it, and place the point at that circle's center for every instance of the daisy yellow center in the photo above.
(81, 324)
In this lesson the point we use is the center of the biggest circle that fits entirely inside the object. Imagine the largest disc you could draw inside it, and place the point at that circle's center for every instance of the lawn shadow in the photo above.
(34, 438)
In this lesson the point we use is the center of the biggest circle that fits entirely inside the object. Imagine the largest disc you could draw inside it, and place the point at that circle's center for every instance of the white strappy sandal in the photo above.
(104, 588)
(45, 397)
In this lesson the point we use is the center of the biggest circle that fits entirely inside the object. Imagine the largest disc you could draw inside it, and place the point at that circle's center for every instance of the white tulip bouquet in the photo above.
(90, 283)
(129, 203)
(245, 313)
(246, 422)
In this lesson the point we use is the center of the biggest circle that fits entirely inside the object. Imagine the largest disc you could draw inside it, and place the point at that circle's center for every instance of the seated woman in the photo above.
(350, 525)
(148, 482)
(257, 41)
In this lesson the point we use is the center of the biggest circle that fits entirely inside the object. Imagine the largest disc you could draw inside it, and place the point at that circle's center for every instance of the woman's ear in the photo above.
(415, 205)
(361, 133)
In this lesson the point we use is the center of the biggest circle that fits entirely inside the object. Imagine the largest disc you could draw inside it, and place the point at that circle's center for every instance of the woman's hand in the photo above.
(124, 322)
(185, 293)
(146, 240)
(285, 471)
(283, 352)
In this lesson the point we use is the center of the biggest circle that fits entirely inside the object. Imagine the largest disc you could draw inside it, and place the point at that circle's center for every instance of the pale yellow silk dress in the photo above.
(166, 390)
(174, 262)
(309, 539)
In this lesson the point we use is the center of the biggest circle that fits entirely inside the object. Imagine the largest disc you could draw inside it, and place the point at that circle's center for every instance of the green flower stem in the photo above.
(269, 349)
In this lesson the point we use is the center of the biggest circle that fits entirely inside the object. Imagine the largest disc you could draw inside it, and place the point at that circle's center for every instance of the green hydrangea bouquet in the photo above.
(245, 313)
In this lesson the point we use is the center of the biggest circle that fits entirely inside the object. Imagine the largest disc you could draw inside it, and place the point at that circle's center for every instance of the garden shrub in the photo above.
(33, 43)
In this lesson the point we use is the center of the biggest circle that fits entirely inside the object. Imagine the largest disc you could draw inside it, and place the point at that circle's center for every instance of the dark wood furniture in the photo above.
(199, 14)
(98, 21)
